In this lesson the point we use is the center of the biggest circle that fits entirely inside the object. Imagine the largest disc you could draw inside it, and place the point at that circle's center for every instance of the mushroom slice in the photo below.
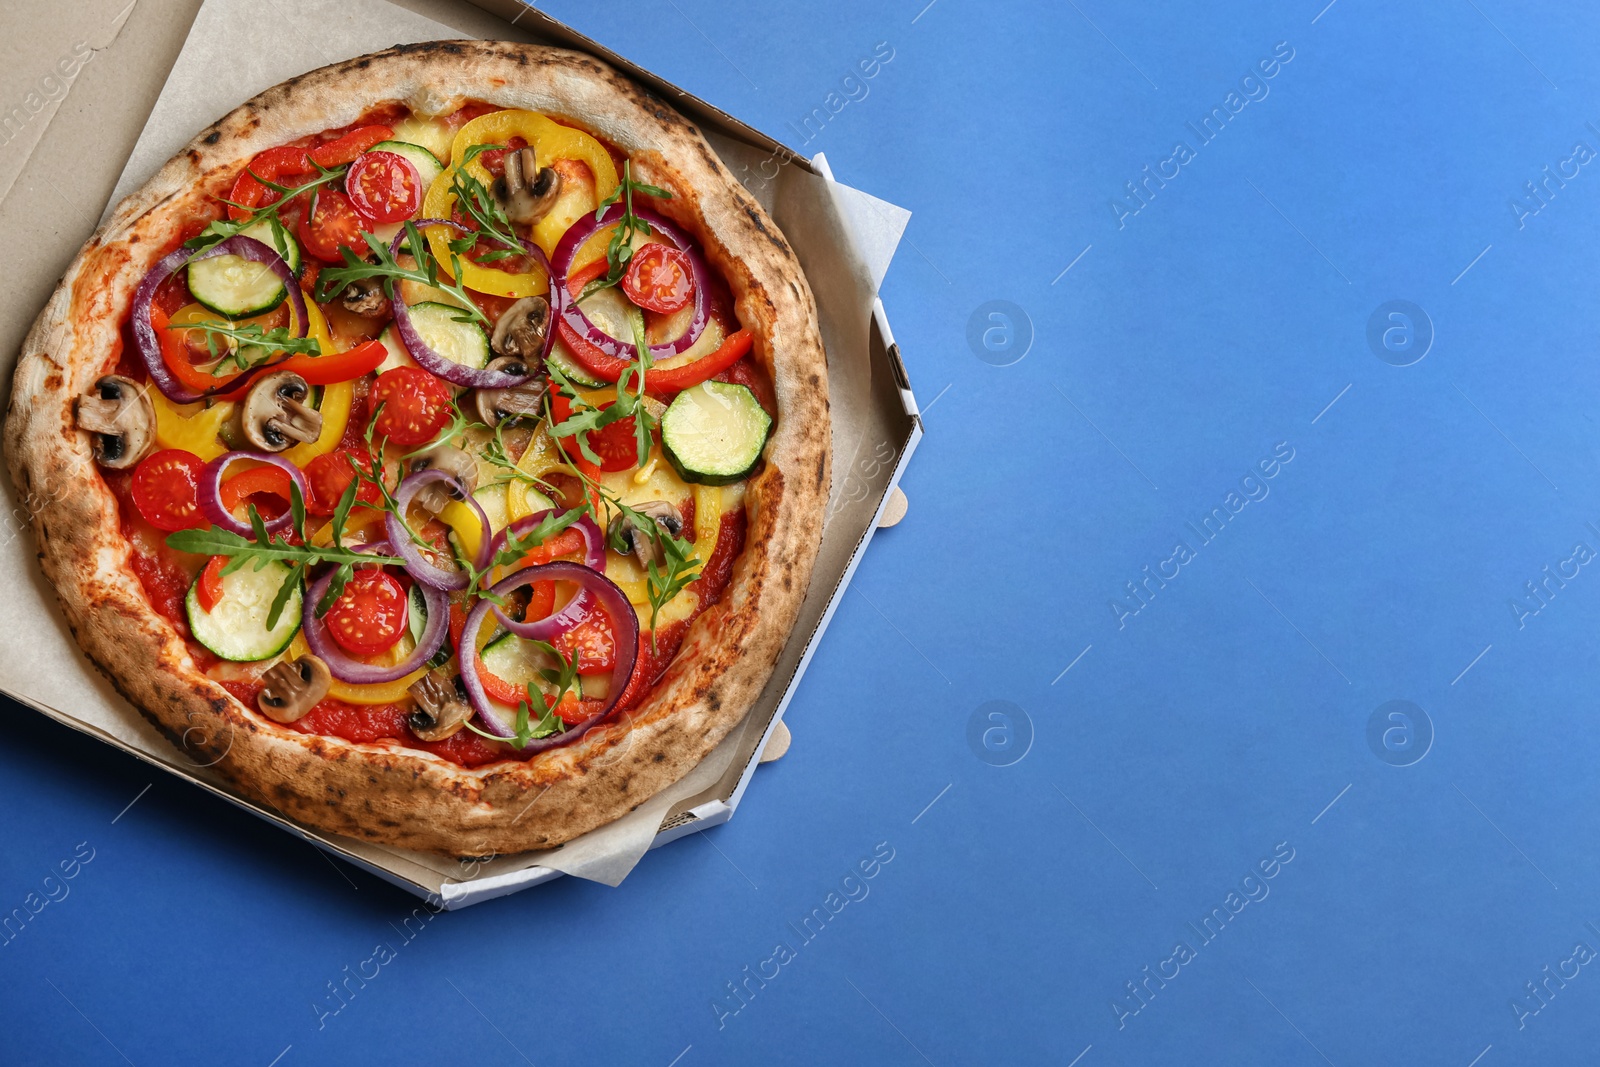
(522, 328)
(645, 549)
(436, 496)
(365, 297)
(275, 413)
(525, 192)
(441, 709)
(523, 401)
(120, 416)
(293, 687)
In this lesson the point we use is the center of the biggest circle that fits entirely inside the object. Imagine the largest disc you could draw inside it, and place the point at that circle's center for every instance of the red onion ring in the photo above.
(417, 566)
(144, 333)
(444, 367)
(575, 610)
(210, 492)
(625, 625)
(573, 315)
(347, 669)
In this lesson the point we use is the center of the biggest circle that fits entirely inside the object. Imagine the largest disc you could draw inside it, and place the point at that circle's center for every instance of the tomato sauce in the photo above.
(164, 573)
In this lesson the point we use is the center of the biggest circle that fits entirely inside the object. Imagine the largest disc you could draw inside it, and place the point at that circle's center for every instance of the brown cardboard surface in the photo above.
(844, 238)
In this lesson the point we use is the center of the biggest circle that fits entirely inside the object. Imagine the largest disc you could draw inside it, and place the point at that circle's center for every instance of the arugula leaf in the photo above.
(477, 201)
(620, 249)
(251, 345)
(341, 511)
(643, 424)
(286, 589)
(297, 509)
(548, 724)
(586, 417)
(524, 728)
(667, 582)
(519, 545)
(341, 578)
(679, 566)
(495, 453)
(263, 548)
(382, 264)
(220, 230)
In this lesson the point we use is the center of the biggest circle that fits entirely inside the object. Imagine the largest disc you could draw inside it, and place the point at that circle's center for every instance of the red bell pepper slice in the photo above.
(288, 161)
(497, 689)
(656, 380)
(175, 353)
(675, 379)
(273, 481)
(320, 370)
(209, 589)
(336, 366)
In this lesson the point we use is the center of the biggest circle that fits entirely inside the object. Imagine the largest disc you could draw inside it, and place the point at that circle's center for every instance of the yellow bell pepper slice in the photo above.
(195, 427)
(316, 326)
(707, 521)
(337, 400)
(358, 519)
(707, 528)
(191, 427)
(538, 459)
(468, 530)
(380, 693)
(550, 141)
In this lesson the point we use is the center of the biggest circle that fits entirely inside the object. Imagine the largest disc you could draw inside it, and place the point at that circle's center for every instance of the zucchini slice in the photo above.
(576, 372)
(237, 630)
(287, 247)
(239, 288)
(395, 349)
(713, 433)
(427, 164)
(417, 622)
(492, 499)
(519, 662)
(442, 331)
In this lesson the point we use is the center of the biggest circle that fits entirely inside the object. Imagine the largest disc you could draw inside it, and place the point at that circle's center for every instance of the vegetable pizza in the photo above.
(437, 446)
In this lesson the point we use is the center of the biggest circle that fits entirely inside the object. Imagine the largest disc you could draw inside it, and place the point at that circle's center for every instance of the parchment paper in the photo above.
(237, 48)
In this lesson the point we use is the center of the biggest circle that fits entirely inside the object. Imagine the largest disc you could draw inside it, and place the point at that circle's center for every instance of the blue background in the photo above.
(1228, 718)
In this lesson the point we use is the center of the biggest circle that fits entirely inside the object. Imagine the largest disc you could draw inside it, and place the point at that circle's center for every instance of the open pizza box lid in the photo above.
(844, 239)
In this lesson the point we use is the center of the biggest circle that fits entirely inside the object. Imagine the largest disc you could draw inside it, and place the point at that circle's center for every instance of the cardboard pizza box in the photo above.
(95, 96)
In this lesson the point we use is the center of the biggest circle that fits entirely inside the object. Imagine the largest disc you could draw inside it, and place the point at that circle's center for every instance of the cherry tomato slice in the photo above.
(383, 187)
(571, 710)
(658, 278)
(331, 224)
(370, 614)
(416, 405)
(208, 589)
(616, 444)
(592, 641)
(166, 489)
(329, 476)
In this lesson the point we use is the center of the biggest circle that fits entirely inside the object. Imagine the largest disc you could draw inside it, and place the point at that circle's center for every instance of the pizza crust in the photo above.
(386, 793)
